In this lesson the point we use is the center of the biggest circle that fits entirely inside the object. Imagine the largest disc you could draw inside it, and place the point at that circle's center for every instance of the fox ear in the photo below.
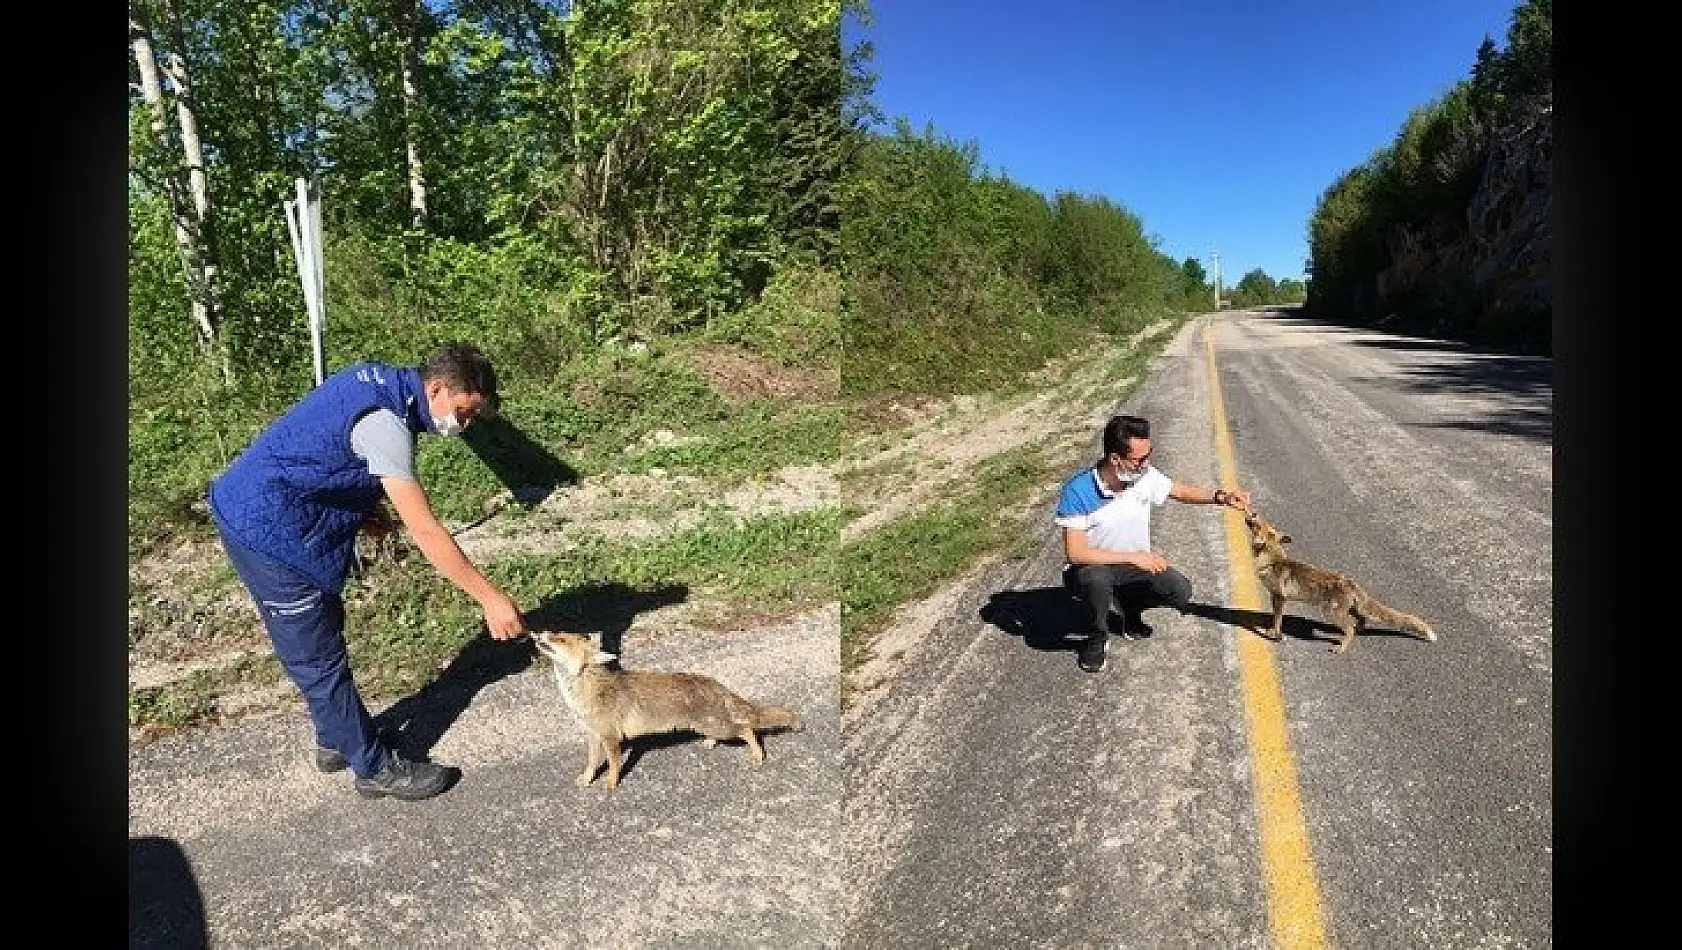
(602, 657)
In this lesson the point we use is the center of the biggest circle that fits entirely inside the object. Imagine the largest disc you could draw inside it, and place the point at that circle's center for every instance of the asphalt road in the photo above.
(998, 797)
(993, 796)
(235, 840)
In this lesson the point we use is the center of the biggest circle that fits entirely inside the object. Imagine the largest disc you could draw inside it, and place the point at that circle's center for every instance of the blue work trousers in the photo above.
(307, 627)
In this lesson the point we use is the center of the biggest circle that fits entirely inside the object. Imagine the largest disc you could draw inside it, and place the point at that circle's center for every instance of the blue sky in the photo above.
(1219, 124)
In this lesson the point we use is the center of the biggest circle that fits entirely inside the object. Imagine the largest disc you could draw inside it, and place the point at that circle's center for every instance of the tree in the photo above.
(1194, 281)
(1528, 68)
(180, 154)
(1255, 287)
(408, 37)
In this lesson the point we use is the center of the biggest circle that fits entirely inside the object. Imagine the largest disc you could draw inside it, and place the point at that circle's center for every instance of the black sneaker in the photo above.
(1093, 653)
(408, 780)
(1135, 628)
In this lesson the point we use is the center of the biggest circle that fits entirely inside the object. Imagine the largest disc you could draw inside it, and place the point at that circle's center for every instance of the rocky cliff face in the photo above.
(1487, 277)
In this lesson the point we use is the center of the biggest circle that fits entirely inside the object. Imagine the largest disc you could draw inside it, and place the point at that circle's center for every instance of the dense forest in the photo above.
(1445, 230)
(588, 191)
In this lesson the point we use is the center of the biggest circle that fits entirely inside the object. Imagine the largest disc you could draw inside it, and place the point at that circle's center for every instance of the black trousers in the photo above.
(1108, 589)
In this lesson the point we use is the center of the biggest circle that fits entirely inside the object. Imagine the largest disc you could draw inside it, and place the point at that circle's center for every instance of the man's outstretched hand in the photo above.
(503, 618)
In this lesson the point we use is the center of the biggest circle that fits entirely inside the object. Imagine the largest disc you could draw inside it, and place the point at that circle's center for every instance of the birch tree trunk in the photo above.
(411, 115)
(190, 212)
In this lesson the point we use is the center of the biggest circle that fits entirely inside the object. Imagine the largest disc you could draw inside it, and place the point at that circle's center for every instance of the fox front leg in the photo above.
(592, 760)
(1276, 632)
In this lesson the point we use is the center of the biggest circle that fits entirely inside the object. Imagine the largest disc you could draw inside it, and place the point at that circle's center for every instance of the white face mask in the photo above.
(1126, 478)
(448, 425)
(444, 422)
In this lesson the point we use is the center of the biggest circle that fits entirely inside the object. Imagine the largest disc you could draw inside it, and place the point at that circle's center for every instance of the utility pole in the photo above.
(1217, 256)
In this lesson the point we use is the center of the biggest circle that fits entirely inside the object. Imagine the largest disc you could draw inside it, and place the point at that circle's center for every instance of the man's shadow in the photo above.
(1044, 617)
(415, 723)
(529, 471)
(1054, 618)
(603, 608)
(165, 905)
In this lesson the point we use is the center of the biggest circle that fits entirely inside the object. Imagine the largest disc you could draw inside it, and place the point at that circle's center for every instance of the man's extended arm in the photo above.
(1198, 495)
(502, 615)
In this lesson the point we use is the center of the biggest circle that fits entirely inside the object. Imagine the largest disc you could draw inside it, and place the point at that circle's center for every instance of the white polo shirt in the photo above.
(1113, 521)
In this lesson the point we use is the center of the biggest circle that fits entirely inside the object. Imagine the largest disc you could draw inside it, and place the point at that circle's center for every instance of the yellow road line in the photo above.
(1294, 913)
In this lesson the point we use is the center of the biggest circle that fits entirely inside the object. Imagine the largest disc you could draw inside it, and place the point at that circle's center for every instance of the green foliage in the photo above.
(1255, 287)
(697, 129)
(1416, 191)
(796, 321)
(1195, 287)
(1101, 256)
(668, 154)
(959, 280)
(713, 130)
(1505, 82)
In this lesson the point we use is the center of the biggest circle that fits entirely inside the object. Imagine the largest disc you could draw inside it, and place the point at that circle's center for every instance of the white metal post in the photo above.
(303, 221)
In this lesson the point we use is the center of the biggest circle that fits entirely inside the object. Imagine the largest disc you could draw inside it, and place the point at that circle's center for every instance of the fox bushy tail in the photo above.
(776, 717)
(1383, 614)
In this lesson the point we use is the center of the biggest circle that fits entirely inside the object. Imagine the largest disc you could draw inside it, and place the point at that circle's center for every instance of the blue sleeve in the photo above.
(1079, 497)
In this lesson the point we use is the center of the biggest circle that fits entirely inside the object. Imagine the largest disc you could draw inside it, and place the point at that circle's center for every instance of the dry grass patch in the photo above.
(740, 376)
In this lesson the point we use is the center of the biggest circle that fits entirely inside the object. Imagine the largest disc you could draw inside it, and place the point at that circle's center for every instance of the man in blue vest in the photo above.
(1105, 514)
(289, 508)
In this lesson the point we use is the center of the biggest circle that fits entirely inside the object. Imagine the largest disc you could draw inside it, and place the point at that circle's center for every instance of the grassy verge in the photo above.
(911, 557)
(591, 416)
(405, 623)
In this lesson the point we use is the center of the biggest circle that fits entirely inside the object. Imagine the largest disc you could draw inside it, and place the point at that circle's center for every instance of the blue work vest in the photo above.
(298, 493)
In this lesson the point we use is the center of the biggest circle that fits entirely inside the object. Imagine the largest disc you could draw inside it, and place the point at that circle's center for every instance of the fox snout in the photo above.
(571, 650)
(1262, 533)
(547, 643)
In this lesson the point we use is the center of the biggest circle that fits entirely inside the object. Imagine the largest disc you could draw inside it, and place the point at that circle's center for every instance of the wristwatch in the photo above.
(1221, 497)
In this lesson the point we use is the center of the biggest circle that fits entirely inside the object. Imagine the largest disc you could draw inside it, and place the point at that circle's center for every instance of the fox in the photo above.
(1343, 601)
(615, 705)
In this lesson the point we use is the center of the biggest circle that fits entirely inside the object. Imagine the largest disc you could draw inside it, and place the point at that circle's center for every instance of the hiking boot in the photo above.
(407, 780)
(1093, 652)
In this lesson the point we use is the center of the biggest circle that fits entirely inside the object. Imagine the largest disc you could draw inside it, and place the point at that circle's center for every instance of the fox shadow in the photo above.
(1261, 622)
(633, 749)
(1054, 618)
(415, 723)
